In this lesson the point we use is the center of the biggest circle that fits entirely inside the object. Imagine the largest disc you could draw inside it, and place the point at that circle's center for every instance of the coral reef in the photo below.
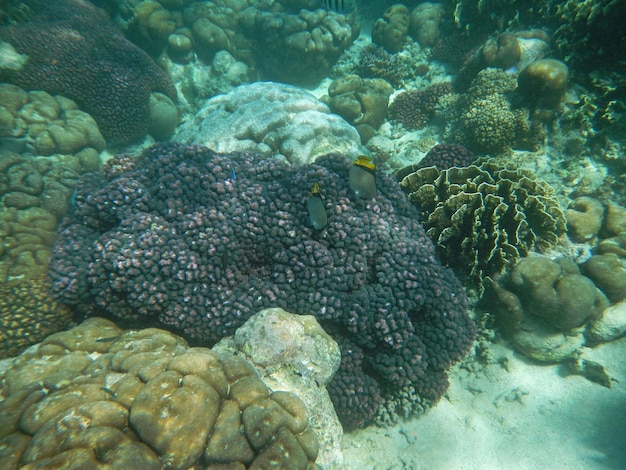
(584, 219)
(414, 108)
(608, 272)
(425, 23)
(291, 42)
(483, 117)
(483, 218)
(575, 24)
(503, 51)
(41, 124)
(76, 51)
(360, 101)
(28, 314)
(200, 241)
(300, 48)
(98, 396)
(544, 304)
(543, 83)
(376, 62)
(391, 30)
(199, 82)
(272, 119)
(550, 308)
(35, 193)
(442, 157)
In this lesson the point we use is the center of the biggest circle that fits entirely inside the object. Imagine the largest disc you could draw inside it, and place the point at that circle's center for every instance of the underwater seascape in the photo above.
(312, 234)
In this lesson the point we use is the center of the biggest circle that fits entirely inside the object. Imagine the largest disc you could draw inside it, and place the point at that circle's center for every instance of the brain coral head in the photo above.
(200, 241)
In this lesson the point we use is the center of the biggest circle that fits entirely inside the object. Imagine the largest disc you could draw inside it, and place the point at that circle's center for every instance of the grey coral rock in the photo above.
(292, 353)
(273, 119)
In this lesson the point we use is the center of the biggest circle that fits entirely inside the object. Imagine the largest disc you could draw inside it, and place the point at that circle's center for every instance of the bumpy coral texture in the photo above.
(444, 156)
(43, 124)
(376, 62)
(484, 217)
(35, 193)
(99, 397)
(273, 119)
(200, 241)
(76, 51)
(414, 108)
(484, 118)
(441, 156)
(28, 314)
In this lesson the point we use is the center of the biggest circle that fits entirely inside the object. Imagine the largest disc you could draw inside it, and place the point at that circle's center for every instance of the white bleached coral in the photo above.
(273, 119)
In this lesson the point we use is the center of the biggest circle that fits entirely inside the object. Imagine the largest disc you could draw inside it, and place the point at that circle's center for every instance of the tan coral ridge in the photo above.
(98, 396)
(484, 217)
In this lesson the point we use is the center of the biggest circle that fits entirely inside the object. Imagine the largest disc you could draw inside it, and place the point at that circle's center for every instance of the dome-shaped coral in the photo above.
(98, 396)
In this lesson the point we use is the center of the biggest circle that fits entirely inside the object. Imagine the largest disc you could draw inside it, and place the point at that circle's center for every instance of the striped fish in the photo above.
(339, 6)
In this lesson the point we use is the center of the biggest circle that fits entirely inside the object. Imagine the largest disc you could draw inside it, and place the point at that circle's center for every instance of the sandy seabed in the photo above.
(513, 414)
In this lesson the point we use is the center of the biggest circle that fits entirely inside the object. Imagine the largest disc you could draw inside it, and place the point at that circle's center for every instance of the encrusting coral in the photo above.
(289, 41)
(35, 193)
(199, 241)
(391, 30)
(414, 108)
(98, 396)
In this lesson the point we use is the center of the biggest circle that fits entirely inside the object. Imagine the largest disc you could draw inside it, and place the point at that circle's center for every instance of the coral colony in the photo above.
(176, 241)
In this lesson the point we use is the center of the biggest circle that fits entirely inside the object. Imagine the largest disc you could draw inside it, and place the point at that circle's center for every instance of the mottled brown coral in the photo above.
(360, 101)
(35, 192)
(28, 314)
(542, 304)
(483, 118)
(391, 30)
(483, 218)
(414, 108)
(98, 396)
(75, 50)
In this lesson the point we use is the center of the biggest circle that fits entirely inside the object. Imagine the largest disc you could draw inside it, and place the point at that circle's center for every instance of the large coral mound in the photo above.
(74, 49)
(200, 241)
(98, 397)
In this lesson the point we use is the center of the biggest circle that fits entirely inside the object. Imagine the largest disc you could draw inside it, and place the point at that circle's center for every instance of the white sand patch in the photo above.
(520, 415)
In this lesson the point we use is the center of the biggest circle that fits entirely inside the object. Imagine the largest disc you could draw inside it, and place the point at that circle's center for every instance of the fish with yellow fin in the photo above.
(315, 206)
(363, 177)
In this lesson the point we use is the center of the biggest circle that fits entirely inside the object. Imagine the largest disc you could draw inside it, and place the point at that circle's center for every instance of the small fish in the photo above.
(339, 6)
(363, 177)
(107, 339)
(316, 209)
